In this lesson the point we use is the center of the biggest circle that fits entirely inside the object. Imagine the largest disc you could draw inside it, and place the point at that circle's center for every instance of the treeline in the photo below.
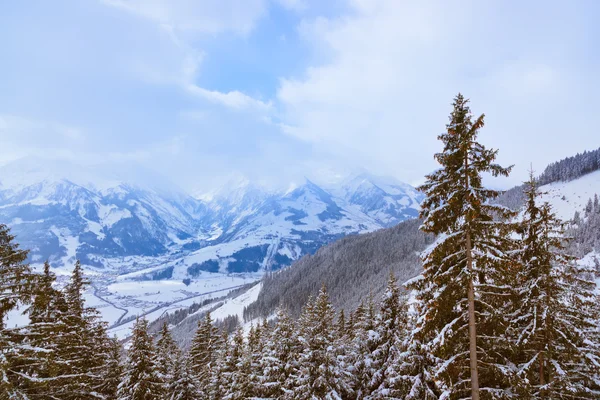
(352, 267)
(64, 351)
(585, 229)
(571, 168)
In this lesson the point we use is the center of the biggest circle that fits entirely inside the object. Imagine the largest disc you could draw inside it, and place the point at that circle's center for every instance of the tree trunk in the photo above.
(471, 300)
(472, 326)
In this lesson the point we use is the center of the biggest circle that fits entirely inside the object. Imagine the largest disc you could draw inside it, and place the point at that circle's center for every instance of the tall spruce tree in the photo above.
(280, 362)
(167, 354)
(46, 367)
(113, 369)
(235, 371)
(140, 381)
(319, 376)
(203, 354)
(391, 331)
(556, 310)
(362, 345)
(462, 291)
(183, 386)
(86, 335)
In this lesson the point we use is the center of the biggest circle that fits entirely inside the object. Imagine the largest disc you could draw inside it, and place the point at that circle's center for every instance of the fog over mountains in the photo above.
(127, 219)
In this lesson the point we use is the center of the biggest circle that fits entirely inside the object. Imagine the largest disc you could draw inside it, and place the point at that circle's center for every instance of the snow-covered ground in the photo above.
(568, 197)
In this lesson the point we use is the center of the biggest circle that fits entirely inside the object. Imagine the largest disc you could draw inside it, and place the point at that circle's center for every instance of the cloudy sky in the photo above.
(275, 89)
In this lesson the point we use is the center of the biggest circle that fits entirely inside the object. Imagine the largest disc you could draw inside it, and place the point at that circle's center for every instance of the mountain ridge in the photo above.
(63, 211)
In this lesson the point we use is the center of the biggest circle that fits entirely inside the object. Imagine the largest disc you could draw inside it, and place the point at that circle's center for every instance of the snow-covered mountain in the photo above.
(134, 222)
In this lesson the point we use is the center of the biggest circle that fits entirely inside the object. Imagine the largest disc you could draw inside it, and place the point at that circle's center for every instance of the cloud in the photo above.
(198, 16)
(385, 73)
(232, 99)
(183, 22)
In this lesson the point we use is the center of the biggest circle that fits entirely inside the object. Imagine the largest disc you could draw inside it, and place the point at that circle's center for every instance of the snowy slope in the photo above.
(568, 197)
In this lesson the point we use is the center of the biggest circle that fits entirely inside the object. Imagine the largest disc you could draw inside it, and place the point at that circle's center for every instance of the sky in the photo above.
(200, 90)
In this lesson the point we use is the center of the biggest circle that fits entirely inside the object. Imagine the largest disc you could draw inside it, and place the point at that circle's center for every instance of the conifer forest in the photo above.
(502, 309)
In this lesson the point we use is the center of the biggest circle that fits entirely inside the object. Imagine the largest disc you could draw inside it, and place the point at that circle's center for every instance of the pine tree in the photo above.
(319, 375)
(362, 346)
(462, 293)
(203, 353)
(217, 387)
(390, 340)
(236, 369)
(413, 378)
(167, 353)
(113, 370)
(281, 357)
(16, 278)
(254, 354)
(16, 281)
(141, 381)
(556, 310)
(86, 336)
(41, 369)
(182, 386)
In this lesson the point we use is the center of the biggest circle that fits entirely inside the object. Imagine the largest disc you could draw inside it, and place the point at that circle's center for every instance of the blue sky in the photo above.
(279, 89)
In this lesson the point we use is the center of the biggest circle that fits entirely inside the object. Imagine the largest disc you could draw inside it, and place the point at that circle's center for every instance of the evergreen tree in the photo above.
(182, 386)
(411, 379)
(42, 368)
(167, 353)
(217, 387)
(141, 381)
(254, 354)
(203, 354)
(16, 281)
(16, 278)
(86, 335)
(113, 370)
(318, 374)
(463, 290)
(281, 357)
(362, 346)
(556, 311)
(390, 340)
(236, 369)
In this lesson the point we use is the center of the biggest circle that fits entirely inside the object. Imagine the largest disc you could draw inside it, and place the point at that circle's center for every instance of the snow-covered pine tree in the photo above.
(281, 357)
(86, 336)
(140, 380)
(390, 337)
(33, 359)
(16, 278)
(236, 369)
(113, 369)
(556, 310)
(16, 281)
(361, 347)
(167, 353)
(254, 354)
(319, 375)
(182, 386)
(203, 353)
(217, 388)
(412, 376)
(464, 275)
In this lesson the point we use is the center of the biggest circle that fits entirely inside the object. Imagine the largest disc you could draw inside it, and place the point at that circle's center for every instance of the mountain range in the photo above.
(130, 221)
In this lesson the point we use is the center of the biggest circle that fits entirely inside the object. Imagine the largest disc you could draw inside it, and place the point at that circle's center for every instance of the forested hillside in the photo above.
(351, 268)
